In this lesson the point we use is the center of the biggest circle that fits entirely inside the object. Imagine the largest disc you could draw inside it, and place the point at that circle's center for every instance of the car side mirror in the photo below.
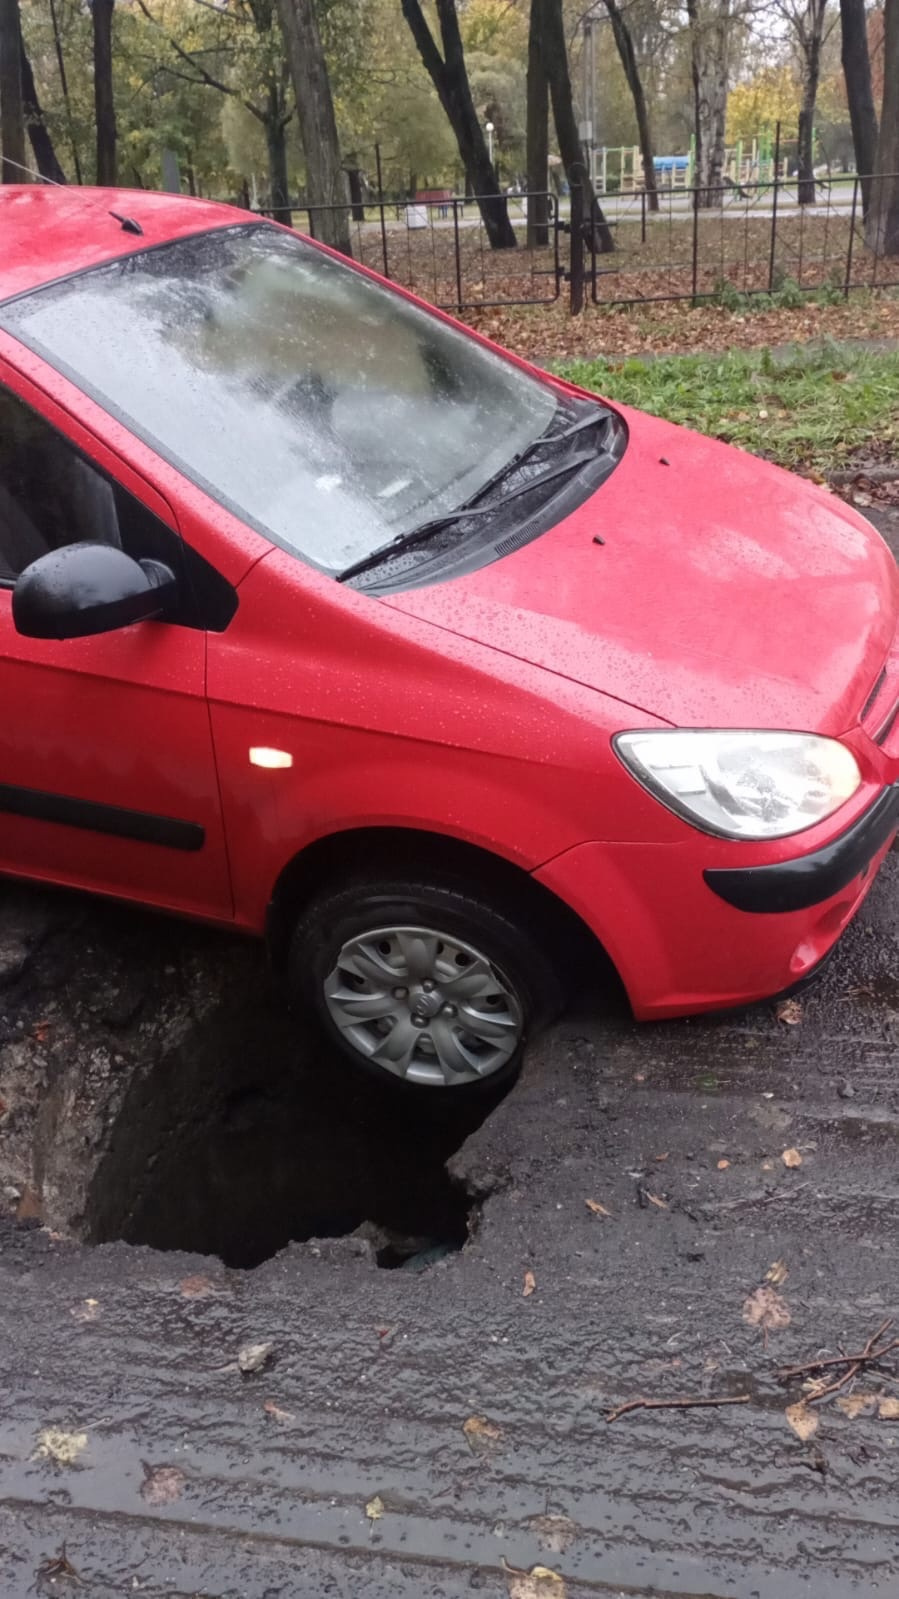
(83, 589)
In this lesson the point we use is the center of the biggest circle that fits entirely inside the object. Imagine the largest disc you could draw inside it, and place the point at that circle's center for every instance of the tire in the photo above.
(393, 970)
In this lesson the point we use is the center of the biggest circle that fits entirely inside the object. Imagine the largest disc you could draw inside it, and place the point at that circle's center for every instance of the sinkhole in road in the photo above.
(242, 1141)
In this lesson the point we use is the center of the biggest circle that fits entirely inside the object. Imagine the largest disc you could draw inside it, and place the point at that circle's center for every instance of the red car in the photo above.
(324, 619)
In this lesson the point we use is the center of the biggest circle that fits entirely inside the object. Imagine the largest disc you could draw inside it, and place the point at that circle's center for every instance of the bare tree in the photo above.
(326, 190)
(64, 85)
(857, 73)
(270, 109)
(809, 27)
(628, 56)
(537, 133)
(882, 231)
(449, 75)
(710, 23)
(104, 101)
(12, 117)
(45, 157)
(555, 60)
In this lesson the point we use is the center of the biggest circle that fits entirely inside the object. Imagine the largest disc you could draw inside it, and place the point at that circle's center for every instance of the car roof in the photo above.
(48, 231)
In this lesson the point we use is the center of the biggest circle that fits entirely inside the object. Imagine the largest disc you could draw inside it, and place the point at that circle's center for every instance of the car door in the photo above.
(107, 772)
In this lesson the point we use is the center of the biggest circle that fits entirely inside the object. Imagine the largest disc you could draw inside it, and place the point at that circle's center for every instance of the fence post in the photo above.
(576, 274)
(772, 257)
(848, 283)
(381, 209)
(458, 253)
(695, 242)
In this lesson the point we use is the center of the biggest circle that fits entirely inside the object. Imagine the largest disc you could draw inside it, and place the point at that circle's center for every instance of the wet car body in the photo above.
(456, 703)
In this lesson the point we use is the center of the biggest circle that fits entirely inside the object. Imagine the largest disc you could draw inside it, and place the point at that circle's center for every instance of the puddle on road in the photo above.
(236, 1144)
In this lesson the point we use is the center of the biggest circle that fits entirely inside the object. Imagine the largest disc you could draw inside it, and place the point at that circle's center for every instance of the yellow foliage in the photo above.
(756, 107)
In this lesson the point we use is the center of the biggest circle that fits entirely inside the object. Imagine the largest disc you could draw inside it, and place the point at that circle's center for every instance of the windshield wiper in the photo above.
(419, 535)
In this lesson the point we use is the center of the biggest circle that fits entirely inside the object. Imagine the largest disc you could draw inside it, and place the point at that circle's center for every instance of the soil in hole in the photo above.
(241, 1141)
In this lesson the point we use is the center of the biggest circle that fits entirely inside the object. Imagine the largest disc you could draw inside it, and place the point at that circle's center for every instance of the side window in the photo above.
(51, 495)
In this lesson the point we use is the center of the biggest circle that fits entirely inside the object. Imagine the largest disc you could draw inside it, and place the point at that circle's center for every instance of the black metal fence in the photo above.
(753, 239)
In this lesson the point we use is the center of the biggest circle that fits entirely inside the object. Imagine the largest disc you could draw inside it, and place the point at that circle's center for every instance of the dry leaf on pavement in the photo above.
(791, 1158)
(853, 1405)
(803, 1421)
(375, 1508)
(595, 1208)
(723, 1165)
(554, 1532)
(888, 1410)
(275, 1411)
(777, 1273)
(660, 1204)
(197, 1287)
(766, 1309)
(481, 1433)
(530, 1283)
(161, 1484)
(252, 1357)
(789, 1011)
(541, 1582)
(63, 1448)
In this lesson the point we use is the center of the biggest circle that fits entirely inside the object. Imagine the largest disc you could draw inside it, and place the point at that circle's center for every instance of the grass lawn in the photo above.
(812, 410)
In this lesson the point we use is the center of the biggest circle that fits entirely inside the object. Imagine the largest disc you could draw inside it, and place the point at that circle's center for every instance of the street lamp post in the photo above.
(488, 129)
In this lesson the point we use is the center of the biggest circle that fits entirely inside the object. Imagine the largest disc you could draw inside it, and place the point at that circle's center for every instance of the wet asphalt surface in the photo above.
(440, 1429)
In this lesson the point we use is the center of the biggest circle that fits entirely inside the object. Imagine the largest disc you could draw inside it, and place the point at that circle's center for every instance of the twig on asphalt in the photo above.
(674, 1404)
(853, 1363)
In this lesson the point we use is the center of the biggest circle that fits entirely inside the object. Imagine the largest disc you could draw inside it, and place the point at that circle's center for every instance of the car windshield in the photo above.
(322, 408)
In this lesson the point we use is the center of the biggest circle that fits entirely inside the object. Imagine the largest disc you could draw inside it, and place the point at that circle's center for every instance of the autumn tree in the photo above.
(624, 43)
(809, 27)
(558, 77)
(446, 67)
(882, 230)
(859, 94)
(326, 189)
(710, 24)
(12, 115)
(104, 98)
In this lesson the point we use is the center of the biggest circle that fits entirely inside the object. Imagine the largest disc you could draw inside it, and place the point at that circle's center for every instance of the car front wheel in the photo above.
(424, 985)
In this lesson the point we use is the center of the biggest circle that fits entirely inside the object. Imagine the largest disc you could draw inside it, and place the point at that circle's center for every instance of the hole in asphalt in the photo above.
(243, 1140)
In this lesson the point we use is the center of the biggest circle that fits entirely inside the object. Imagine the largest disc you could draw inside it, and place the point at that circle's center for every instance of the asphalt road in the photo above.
(441, 1429)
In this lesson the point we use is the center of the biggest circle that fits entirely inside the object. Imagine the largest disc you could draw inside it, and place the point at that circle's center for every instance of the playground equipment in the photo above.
(620, 167)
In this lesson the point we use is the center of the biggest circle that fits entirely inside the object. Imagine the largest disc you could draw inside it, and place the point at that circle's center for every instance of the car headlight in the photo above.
(743, 785)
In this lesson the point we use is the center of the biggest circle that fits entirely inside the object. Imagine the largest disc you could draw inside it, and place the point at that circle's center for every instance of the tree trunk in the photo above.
(857, 72)
(276, 146)
(709, 41)
(64, 85)
(537, 134)
(806, 163)
(449, 75)
(357, 199)
(104, 104)
(325, 182)
(882, 230)
(12, 113)
(41, 143)
(627, 54)
(555, 59)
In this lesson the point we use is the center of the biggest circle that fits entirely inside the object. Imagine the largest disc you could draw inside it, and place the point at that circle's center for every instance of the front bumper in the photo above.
(811, 879)
(681, 946)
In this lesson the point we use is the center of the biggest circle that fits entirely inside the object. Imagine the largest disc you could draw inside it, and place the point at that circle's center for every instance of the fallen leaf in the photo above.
(88, 1310)
(766, 1309)
(789, 1011)
(481, 1433)
(803, 1421)
(661, 1157)
(275, 1411)
(39, 1032)
(196, 1287)
(375, 1508)
(63, 1448)
(791, 1158)
(888, 1410)
(723, 1165)
(660, 1204)
(853, 1405)
(777, 1273)
(541, 1582)
(530, 1283)
(252, 1357)
(767, 1165)
(596, 1208)
(639, 1077)
(554, 1532)
(161, 1484)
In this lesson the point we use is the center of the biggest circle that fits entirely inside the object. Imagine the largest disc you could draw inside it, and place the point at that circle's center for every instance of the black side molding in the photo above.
(97, 818)
(795, 885)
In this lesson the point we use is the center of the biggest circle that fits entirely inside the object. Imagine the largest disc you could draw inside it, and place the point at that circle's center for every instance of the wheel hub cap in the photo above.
(424, 1005)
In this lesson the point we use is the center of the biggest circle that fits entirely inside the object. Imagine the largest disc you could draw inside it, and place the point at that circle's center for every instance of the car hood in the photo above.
(698, 584)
